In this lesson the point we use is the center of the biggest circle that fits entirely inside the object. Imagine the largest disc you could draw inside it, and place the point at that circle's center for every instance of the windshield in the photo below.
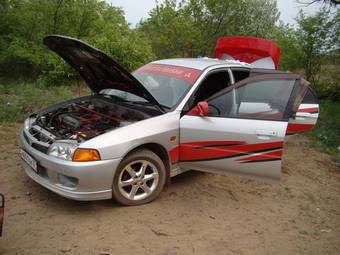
(167, 84)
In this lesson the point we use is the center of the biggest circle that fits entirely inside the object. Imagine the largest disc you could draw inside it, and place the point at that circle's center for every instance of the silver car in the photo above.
(136, 131)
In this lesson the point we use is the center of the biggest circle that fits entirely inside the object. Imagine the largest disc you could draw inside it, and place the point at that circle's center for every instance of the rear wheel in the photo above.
(139, 178)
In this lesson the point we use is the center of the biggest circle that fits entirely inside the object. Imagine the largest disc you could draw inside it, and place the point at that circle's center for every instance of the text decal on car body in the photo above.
(189, 75)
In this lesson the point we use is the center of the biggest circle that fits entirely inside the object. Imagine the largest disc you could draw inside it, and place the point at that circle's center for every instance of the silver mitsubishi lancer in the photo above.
(227, 115)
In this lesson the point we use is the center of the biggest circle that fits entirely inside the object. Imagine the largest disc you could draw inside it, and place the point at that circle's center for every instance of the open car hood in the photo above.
(96, 68)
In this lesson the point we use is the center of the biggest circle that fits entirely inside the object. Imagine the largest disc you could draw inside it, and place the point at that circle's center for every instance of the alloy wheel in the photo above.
(138, 180)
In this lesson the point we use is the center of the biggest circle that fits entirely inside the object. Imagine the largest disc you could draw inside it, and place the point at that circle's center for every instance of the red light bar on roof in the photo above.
(257, 51)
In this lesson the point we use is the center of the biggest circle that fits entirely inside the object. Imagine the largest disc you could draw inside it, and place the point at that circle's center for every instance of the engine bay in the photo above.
(83, 120)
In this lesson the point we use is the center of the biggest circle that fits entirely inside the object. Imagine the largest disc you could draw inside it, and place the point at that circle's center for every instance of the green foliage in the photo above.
(23, 25)
(315, 36)
(328, 86)
(172, 31)
(18, 99)
(326, 134)
(312, 48)
(305, 47)
(191, 27)
(285, 36)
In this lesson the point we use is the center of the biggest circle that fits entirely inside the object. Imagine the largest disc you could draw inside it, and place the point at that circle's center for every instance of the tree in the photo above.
(286, 37)
(309, 2)
(172, 31)
(316, 35)
(192, 27)
(23, 25)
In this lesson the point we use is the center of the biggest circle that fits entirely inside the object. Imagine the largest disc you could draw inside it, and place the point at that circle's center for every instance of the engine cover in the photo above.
(71, 121)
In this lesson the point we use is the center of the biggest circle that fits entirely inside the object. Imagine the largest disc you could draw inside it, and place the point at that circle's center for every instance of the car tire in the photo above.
(139, 179)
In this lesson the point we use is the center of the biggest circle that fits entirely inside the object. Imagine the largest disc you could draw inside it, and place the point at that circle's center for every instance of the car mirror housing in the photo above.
(203, 108)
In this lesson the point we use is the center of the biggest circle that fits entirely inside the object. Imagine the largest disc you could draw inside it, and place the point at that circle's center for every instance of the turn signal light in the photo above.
(84, 155)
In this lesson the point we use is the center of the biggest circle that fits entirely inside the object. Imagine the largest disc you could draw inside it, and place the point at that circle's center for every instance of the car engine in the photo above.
(84, 120)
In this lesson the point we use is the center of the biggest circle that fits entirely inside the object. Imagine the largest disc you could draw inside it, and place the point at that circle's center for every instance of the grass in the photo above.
(18, 99)
(326, 134)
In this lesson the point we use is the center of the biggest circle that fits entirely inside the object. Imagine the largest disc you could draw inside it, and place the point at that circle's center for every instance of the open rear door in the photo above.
(259, 52)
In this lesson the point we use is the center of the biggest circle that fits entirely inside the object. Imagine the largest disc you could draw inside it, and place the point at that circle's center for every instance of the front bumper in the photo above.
(94, 179)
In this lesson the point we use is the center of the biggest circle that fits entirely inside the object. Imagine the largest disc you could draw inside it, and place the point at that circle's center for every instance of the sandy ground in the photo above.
(199, 213)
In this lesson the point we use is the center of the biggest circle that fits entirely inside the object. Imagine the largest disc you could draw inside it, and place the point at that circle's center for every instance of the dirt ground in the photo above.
(199, 213)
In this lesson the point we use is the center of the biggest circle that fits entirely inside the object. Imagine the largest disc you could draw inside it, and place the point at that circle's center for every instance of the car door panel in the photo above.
(245, 142)
(306, 116)
(230, 145)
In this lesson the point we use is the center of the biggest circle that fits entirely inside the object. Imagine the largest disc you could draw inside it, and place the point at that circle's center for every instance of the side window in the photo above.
(265, 100)
(212, 84)
(240, 74)
(310, 97)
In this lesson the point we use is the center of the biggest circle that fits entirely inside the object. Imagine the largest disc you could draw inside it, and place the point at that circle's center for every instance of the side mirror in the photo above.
(203, 108)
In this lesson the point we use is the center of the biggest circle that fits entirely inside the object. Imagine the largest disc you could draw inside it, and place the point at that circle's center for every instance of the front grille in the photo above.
(40, 147)
(40, 136)
(36, 146)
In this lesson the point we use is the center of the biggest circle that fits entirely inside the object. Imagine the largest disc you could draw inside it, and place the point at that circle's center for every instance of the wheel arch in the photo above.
(159, 150)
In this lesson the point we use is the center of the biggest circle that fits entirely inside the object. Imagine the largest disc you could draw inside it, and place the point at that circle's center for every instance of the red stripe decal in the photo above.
(314, 109)
(174, 155)
(210, 150)
(293, 128)
(263, 156)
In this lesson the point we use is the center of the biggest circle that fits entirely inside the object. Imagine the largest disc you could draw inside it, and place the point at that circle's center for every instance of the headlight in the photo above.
(62, 150)
(27, 123)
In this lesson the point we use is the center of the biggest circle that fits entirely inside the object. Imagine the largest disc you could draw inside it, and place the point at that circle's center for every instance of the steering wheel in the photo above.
(215, 108)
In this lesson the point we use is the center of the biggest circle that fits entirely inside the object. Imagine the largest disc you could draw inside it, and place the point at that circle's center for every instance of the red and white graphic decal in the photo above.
(189, 75)
(297, 128)
(309, 110)
(213, 150)
(263, 157)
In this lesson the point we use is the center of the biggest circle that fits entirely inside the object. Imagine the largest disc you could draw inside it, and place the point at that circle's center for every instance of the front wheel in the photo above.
(139, 178)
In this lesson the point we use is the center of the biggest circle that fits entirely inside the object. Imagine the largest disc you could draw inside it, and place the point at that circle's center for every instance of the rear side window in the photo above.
(266, 100)
(310, 97)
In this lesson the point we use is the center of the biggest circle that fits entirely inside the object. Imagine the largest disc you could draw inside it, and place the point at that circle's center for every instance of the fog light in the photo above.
(67, 181)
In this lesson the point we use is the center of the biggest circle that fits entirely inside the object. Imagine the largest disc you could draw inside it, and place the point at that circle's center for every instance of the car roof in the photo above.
(202, 63)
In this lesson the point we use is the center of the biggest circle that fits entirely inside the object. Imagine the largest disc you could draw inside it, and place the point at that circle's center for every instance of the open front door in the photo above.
(243, 133)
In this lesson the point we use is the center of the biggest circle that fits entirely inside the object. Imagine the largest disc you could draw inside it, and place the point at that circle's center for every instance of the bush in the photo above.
(18, 99)
(326, 134)
(328, 85)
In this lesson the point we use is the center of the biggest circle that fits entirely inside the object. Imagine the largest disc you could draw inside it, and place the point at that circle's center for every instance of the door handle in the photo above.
(266, 133)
